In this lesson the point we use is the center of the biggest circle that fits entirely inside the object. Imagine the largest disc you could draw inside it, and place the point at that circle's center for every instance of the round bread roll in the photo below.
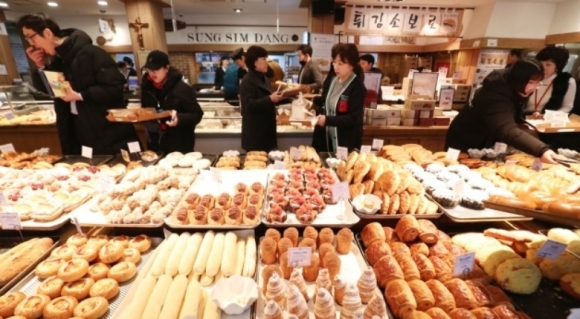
(106, 288)
(78, 289)
(556, 269)
(9, 301)
(91, 308)
(32, 306)
(99, 240)
(65, 252)
(61, 307)
(110, 253)
(48, 267)
(87, 252)
(78, 239)
(518, 275)
(122, 271)
(141, 243)
(73, 270)
(131, 255)
(121, 240)
(98, 271)
(51, 287)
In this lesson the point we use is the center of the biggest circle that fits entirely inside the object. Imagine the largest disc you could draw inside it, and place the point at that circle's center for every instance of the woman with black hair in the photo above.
(495, 111)
(258, 104)
(220, 72)
(340, 121)
(558, 88)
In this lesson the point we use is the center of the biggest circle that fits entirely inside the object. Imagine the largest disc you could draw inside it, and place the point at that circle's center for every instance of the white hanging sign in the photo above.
(431, 22)
(359, 19)
(449, 22)
(412, 22)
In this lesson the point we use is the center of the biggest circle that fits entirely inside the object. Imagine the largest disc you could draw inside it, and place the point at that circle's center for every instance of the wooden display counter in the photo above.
(431, 138)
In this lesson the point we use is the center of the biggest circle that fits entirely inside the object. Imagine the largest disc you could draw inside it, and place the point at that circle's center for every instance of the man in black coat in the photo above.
(96, 85)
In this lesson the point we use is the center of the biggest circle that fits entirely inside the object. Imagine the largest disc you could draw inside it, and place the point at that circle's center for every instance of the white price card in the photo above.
(7, 148)
(134, 147)
(366, 149)
(3, 201)
(510, 162)
(537, 165)
(574, 313)
(340, 191)
(77, 224)
(452, 154)
(500, 147)
(296, 154)
(463, 264)
(9, 116)
(458, 189)
(125, 155)
(342, 153)
(279, 165)
(106, 183)
(299, 256)
(216, 174)
(87, 152)
(551, 250)
(378, 144)
(10, 221)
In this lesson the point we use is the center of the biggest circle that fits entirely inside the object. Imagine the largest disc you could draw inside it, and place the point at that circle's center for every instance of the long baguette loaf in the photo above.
(241, 256)
(228, 266)
(211, 311)
(191, 302)
(215, 259)
(22, 246)
(250, 264)
(205, 280)
(165, 251)
(154, 304)
(172, 265)
(174, 298)
(186, 263)
(193, 276)
(23, 258)
(141, 297)
(203, 255)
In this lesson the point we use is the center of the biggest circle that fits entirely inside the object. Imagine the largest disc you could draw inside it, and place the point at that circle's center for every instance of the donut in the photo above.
(88, 252)
(131, 255)
(65, 252)
(99, 240)
(106, 288)
(91, 308)
(121, 240)
(110, 253)
(122, 271)
(48, 267)
(78, 289)
(78, 239)
(9, 301)
(141, 242)
(98, 271)
(51, 287)
(61, 307)
(73, 270)
(32, 306)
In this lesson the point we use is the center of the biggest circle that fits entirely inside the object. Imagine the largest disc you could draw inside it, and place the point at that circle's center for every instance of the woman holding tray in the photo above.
(163, 88)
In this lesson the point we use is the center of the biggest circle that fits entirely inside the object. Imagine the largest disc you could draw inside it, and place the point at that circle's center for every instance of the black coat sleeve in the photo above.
(189, 113)
(355, 114)
(253, 99)
(109, 81)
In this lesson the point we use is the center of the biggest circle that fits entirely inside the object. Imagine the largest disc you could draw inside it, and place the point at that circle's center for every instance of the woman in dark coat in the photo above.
(496, 110)
(340, 122)
(258, 104)
(163, 88)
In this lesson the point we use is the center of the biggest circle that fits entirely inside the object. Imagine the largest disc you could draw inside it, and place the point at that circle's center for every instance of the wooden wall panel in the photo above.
(7, 58)
(322, 24)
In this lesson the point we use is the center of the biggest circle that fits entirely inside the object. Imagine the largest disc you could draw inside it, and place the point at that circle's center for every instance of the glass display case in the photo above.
(208, 63)
(18, 107)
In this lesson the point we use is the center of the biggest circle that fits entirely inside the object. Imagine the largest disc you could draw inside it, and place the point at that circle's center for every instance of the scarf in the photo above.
(156, 85)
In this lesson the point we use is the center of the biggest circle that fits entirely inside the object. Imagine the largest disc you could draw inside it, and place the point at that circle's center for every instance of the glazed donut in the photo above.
(48, 267)
(65, 252)
(32, 306)
(77, 239)
(141, 242)
(131, 255)
(121, 240)
(106, 288)
(73, 270)
(512, 202)
(110, 253)
(78, 289)
(92, 308)
(99, 240)
(60, 308)
(122, 271)
(51, 287)
(98, 271)
(88, 252)
(9, 301)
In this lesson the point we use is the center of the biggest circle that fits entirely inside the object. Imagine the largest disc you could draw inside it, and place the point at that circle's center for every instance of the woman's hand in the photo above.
(550, 157)
(537, 116)
(276, 97)
(321, 120)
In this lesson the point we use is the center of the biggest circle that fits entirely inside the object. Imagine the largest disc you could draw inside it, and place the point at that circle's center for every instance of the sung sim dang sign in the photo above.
(236, 35)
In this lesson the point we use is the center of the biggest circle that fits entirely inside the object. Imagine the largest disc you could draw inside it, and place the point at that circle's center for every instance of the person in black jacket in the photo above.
(163, 87)
(495, 111)
(218, 82)
(96, 85)
(258, 104)
(341, 122)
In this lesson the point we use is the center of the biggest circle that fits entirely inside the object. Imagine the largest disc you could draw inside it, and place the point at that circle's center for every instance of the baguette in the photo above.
(215, 259)
(14, 250)
(153, 308)
(205, 280)
(193, 276)
(203, 254)
(191, 302)
(250, 260)
(165, 251)
(178, 251)
(186, 263)
(174, 298)
(141, 297)
(202, 302)
(211, 311)
(23, 258)
(228, 266)
(241, 258)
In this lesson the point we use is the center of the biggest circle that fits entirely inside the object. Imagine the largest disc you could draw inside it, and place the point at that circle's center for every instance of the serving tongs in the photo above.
(567, 162)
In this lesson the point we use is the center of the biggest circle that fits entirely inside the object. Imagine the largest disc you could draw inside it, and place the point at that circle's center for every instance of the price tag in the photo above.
(452, 154)
(134, 147)
(7, 148)
(342, 153)
(458, 189)
(125, 155)
(340, 191)
(558, 124)
(10, 221)
(3, 201)
(510, 162)
(216, 174)
(366, 149)
(77, 224)
(87, 152)
(279, 165)
(463, 264)
(537, 165)
(106, 183)
(378, 144)
(296, 154)
(299, 256)
(551, 250)
(9, 116)
(500, 147)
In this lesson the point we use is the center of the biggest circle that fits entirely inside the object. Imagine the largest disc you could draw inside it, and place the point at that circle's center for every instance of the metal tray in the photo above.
(30, 283)
(378, 216)
(95, 161)
(460, 214)
(11, 242)
(88, 218)
(537, 214)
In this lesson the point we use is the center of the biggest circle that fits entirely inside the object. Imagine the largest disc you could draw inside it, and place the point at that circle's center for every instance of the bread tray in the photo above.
(242, 160)
(95, 161)
(13, 242)
(30, 283)
(88, 218)
(534, 214)
(460, 214)
(120, 115)
(379, 216)
(352, 266)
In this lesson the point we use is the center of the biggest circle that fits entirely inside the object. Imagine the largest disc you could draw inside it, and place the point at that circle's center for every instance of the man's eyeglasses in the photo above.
(30, 38)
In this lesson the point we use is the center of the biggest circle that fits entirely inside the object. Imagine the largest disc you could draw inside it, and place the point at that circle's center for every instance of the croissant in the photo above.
(425, 266)
(443, 298)
(267, 273)
(419, 248)
(408, 266)
(324, 305)
(387, 269)
(463, 296)
(275, 290)
(442, 270)
(407, 228)
(439, 250)
(400, 298)
(367, 284)
(427, 232)
(483, 313)
(376, 307)
(297, 280)
(376, 251)
(461, 313)
(399, 248)
(272, 310)
(390, 234)
(371, 233)
(423, 295)
(437, 313)
(323, 281)
(339, 289)
(296, 303)
(480, 293)
(351, 303)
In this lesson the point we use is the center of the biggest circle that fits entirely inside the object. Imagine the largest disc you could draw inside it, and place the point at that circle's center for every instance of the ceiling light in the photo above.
(4, 4)
(238, 10)
(52, 4)
(102, 3)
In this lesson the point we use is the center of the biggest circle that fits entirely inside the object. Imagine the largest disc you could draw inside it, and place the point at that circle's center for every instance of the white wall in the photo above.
(298, 20)
(566, 18)
(525, 20)
(477, 27)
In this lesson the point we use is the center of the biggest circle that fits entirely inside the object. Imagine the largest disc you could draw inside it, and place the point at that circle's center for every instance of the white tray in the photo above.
(46, 226)
(88, 218)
